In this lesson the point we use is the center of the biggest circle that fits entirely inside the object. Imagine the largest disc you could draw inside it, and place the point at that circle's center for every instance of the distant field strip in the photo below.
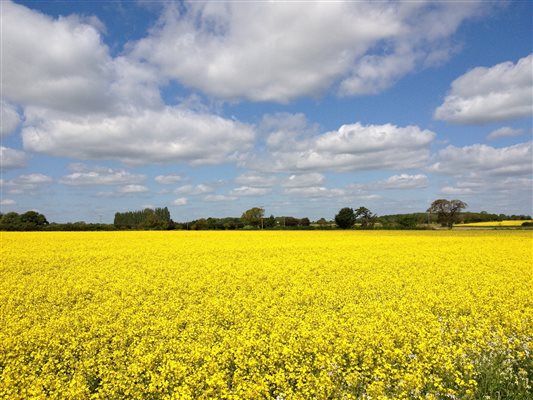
(495, 223)
(267, 315)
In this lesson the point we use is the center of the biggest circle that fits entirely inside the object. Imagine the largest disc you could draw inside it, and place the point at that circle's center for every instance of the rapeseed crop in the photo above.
(496, 223)
(266, 315)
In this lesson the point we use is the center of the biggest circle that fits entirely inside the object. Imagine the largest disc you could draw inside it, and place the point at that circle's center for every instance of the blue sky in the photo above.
(302, 108)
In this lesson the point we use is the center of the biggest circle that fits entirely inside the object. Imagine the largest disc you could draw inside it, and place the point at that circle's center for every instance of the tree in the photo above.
(270, 222)
(10, 222)
(253, 216)
(305, 221)
(322, 222)
(447, 211)
(158, 218)
(345, 219)
(32, 220)
(365, 217)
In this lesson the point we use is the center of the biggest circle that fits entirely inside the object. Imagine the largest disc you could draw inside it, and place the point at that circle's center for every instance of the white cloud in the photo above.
(223, 48)
(11, 158)
(7, 202)
(193, 190)
(494, 193)
(85, 175)
(63, 65)
(423, 41)
(352, 147)
(219, 197)
(304, 180)
(482, 95)
(34, 179)
(249, 191)
(57, 63)
(403, 181)
(9, 118)
(373, 73)
(256, 180)
(504, 132)
(133, 189)
(168, 135)
(360, 191)
(483, 160)
(456, 191)
(26, 184)
(181, 201)
(80, 102)
(168, 179)
(314, 191)
(395, 182)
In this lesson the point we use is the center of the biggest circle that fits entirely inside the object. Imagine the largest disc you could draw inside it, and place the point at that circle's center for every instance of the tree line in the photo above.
(442, 211)
(158, 218)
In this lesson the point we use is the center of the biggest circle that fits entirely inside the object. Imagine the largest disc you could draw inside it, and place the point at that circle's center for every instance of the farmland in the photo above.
(491, 224)
(279, 315)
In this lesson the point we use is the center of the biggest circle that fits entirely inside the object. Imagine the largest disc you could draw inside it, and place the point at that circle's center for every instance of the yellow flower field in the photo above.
(267, 315)
(496, 223)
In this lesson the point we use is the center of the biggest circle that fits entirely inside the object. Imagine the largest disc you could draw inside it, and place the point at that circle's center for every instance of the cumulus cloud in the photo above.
(249, 191)
(504, 132)
(483, 160)
(256, 180)
(423, 41)
(168, 179)
(304, 180)
(193, 190)
(456, 191)
(223, 48)
(167, 135)
(85, 175)
(314, 191)
(11, 158)
(403, 181)
(9, 118)
(80, 102)
(26, 184)
(351, 147)
(180, 201)
(394, 182)
(219, 197)
(482, 95)
(72, 74)
(7, 202)
(495, 193)
(133, 189)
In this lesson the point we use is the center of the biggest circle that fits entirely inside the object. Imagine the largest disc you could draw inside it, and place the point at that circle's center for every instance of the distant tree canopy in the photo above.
(345, 219)
(292, 222)
(29, 221)
(365, 217)
(253, 216)
(270, 222)
(148, 218)
(447, 211)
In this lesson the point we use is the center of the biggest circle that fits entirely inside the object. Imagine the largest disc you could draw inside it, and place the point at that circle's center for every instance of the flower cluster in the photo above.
(279, 315)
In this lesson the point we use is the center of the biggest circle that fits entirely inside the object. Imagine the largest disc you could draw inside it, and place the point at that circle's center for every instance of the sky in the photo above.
(302, 108)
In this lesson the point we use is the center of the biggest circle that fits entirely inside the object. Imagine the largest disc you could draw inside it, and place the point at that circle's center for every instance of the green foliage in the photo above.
(447, 211)
(270, 222)
(345, 219)
(253, 216)
(80, 226)
(144, 219)
(29, 221)
(365, 218)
